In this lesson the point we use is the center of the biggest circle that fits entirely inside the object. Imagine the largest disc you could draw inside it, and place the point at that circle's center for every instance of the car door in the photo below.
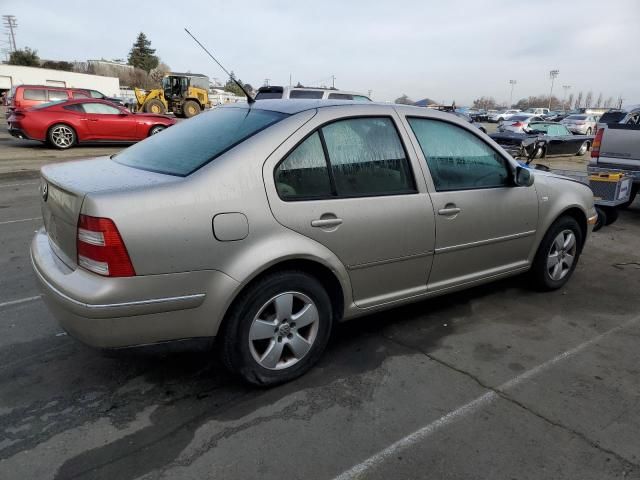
(349, 184)
(106, 122)
(485, 224)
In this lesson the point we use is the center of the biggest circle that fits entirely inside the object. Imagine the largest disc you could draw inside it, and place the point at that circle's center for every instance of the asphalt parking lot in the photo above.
(499, 382)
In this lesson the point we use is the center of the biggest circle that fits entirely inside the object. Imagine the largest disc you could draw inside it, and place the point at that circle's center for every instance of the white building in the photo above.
(218, 96)
(14, 75)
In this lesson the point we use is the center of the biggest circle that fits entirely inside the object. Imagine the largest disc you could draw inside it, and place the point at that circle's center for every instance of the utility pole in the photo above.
(564, 96)
(266, 82)
(10, 23)
(289, 79)
(333, 81)
(552, 75)
(513, 84)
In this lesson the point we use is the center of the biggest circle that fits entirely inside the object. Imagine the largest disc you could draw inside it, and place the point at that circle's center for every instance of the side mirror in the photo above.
(523, 177)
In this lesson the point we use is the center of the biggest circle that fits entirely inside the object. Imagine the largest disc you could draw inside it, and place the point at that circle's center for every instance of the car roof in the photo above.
(295, 105)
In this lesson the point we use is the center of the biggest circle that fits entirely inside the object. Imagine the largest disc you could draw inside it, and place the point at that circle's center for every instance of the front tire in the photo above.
(156, 129)
(584, 148)
(589, 131)
(154, 106)
(62, 136)
(277, 329)
(557, 255)
(190, 109)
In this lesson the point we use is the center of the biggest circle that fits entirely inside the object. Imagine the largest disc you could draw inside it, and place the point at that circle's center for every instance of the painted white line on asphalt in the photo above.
(19, 301)
(21, 220)
(18, 184)
(419, 435)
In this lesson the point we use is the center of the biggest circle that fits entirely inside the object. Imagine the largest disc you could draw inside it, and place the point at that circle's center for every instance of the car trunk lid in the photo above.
(63, 190)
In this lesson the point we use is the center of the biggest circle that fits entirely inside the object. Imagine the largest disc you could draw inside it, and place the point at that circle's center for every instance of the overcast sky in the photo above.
(446, 50)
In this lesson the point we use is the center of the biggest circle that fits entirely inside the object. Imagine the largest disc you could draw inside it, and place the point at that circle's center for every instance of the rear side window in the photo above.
(457, 159)
(34, 94)
(306, 94)
(304, 173)
(187, 146)
(57, 95)
(75, 107)
(363, 157)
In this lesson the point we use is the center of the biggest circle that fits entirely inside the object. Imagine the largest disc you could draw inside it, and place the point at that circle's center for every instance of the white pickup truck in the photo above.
(617, 145)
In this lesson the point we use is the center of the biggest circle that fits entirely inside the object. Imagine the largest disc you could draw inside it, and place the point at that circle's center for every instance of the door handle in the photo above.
(326, 222)
(449, 211)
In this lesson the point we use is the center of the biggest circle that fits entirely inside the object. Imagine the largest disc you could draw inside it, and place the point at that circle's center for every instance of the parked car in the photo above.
(556, 116)
(469, 119)
(617, 146)
(537, 111)
(64, 124)
(478, 115)
(277, 92)
(503, 115)
(255, 224)
(542, 139)
(581, 124)
(25, 96)
(518, 123)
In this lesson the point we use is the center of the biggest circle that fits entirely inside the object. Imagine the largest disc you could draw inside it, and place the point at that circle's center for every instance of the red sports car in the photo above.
(66, 123)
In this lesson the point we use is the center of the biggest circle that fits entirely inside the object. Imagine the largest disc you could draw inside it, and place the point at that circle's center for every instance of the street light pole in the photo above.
(513, 83)
(564, 96)
(552, 75)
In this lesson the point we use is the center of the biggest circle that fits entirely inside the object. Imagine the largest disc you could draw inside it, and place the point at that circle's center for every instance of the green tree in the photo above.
(26, 57)
(232, 87)
(142, 55)
(58, 65)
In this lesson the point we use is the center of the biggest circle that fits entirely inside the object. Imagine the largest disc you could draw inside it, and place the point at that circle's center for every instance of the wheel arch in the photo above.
(321, 272)
(579, 216)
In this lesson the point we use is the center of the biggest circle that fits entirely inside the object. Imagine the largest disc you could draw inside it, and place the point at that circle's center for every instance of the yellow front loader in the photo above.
(184, 94)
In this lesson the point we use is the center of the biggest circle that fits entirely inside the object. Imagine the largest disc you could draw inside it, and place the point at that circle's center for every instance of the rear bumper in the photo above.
(121, 312)
(19, 133)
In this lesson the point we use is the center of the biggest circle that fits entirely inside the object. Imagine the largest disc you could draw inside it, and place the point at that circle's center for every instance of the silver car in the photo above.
(581, 124)
(263, 225)
(519, 123)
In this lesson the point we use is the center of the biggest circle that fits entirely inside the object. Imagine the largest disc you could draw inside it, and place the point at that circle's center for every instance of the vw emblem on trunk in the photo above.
(45, 191)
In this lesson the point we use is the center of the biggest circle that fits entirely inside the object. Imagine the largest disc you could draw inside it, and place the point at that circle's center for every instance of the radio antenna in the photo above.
(250, 99)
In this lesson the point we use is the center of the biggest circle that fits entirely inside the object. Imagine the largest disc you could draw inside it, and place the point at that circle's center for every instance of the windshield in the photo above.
(189, 145)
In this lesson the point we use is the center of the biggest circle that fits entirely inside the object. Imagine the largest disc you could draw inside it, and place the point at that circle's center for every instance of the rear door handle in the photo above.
(449, 211)
(326, 222)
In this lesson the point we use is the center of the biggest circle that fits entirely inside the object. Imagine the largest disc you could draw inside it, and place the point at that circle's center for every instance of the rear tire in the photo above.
(62, 136)
(260, 339)
(154, 106)
(190, 109)
(589, 131)
(612, 215)
(557, 255)
(584, 148)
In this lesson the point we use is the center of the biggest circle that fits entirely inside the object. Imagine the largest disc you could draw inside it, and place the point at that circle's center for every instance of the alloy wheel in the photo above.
(561, 255)
(156, 129)
(62, 136)
(284, 330)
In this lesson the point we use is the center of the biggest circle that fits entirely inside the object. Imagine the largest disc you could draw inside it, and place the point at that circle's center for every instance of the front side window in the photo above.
(100, 108)
(80, 95)
(96, 94)
(304, 173)
(34, 94)
(340, 96)
(187, 146)
(311, 94)
(457, 159)
(367, 158)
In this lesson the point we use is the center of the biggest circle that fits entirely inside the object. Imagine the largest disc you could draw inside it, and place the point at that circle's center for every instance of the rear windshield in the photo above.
(185, 147)
(576, 117)
(612, 117)
(520, 117)
(48, 104)
(268, 95)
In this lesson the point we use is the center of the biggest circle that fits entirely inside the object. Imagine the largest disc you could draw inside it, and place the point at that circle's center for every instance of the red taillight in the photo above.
(580, 123)
(101, 249)
(517, 124)
(595, 148)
